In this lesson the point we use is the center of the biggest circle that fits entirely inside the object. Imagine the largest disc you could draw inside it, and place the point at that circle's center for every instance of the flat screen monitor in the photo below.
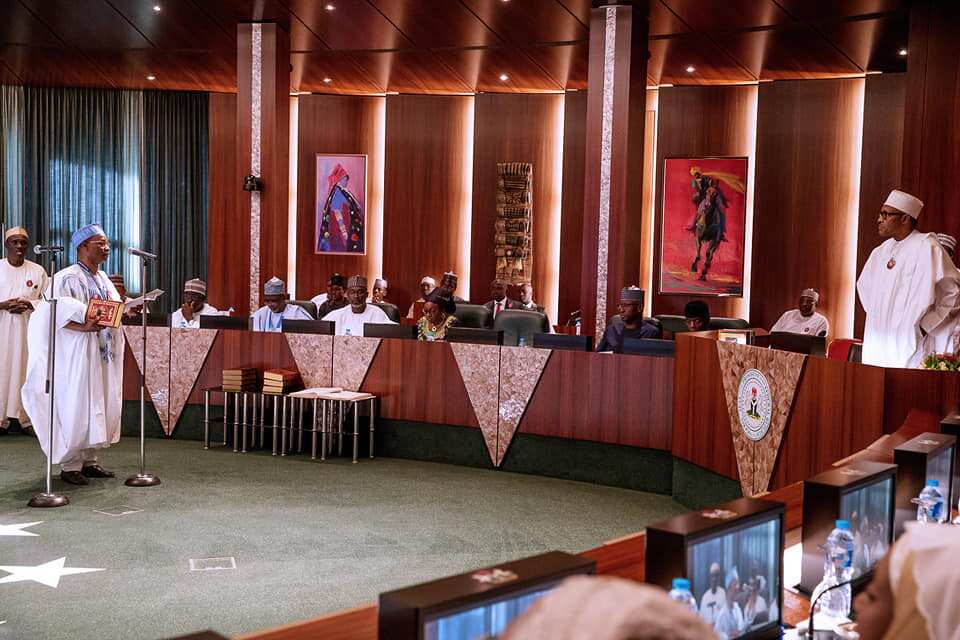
(560, 341)
(928, 456)
(379, 330)
(322, 327)
(475, 336)
(240, 323)
(488, 620)
(648, 347)
(799, 343)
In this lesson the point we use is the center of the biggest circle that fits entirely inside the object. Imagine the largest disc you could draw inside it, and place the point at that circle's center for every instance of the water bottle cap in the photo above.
(842, 524)
(681, 583)
(933, 483)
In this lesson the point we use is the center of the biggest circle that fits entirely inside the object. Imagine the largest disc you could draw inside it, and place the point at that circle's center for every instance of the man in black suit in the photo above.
(498, 291)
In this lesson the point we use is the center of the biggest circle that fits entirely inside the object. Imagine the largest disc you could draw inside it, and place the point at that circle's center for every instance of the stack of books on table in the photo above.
(242, 379)
(279, 381)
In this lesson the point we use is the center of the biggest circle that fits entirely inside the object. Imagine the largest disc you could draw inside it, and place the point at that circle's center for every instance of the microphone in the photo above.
(141, 254)
(813, 605)
(48, 248)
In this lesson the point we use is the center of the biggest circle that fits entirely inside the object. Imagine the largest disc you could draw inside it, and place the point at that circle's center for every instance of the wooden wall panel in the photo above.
(883, 113)
(579, 397)
(229, 229)
(645, 277)
(693, 122)
(571, 210)
(420, 382)
(347, 125)
(427, 198)
(517, 128)
(808, 161)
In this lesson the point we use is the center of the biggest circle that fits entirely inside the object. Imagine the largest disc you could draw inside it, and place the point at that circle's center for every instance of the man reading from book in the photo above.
(89, 364)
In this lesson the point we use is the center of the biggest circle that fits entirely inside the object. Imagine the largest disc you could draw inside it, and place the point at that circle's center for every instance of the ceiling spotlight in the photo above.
(329, 7)
(151, 77)
(157, 8)
(328, 80)
(504, 77)
(902, 52)
(691, 69)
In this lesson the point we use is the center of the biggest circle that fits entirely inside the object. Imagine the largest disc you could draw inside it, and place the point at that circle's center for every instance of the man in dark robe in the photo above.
(631, 324)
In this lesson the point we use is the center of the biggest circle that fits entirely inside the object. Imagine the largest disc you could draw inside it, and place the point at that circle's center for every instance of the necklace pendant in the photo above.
(891, 263)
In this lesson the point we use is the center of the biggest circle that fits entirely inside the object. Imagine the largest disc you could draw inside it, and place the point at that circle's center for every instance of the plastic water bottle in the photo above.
(837, 569)
(681, 593)
(521, 341)
(576, 325)
(930, 507)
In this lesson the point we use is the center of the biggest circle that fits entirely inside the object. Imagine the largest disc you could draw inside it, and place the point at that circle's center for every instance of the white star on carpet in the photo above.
(18, 529)
(48, 573)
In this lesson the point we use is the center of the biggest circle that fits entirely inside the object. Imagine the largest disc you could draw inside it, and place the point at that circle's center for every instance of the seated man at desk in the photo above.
(427, 284)
(631, 324)
(696, 314)
(334, 298)
(194, 306)
(804, 319)
(271, 316)
(350, 319)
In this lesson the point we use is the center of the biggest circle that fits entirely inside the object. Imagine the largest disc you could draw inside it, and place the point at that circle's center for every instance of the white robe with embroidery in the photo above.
(909, 306)
(25, 282)
(88, 380)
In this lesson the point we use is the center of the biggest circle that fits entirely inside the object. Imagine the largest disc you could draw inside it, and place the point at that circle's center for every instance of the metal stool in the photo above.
(337, 404)
(228, 396)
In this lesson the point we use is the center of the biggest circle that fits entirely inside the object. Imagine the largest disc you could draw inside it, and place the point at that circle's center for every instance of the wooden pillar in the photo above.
(931, 135)
(613, 189)
(263, 125)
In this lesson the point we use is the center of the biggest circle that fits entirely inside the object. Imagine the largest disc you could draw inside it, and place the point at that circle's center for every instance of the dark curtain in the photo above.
(173, 189)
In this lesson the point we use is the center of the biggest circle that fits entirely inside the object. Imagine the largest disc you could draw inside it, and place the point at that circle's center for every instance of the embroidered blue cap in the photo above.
(83, 234)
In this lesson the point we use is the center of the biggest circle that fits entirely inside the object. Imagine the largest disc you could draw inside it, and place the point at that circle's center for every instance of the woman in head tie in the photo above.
(437, 317)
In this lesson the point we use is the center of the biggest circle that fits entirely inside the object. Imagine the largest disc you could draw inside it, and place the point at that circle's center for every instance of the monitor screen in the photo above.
(938, 468)
(485, 621)
(735, 578)
(869, 510)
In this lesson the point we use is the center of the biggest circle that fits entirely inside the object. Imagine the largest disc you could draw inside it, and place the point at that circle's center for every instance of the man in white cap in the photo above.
(379, 294)
(21, 285)
(89, 365)
(909, 288)
(194, 306)
(427, 284)
(350, 319)
(270, 317)
(804, 319)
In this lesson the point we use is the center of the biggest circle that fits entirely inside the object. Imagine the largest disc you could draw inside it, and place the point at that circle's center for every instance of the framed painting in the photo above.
(341, 205)
(703, 226)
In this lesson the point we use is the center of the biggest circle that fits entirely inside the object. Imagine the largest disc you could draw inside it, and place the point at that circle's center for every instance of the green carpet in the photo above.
(308, 537)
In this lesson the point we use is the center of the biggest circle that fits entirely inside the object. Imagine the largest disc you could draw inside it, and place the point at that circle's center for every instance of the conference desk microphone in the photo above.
(823, 634)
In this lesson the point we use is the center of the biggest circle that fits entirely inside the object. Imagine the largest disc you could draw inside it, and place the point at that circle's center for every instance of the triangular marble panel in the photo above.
(314, 356)
(520, 371)
(352, 356)
(158, 366)
(782, 369)
(479, 367)
(188, 351)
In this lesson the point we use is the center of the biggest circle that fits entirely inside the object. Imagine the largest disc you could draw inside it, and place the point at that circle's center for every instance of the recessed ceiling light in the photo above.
(151, 77)
(691, 69)
(504, 77)
(328, 80)
(902, 52)
(329, 7)
(157, 8)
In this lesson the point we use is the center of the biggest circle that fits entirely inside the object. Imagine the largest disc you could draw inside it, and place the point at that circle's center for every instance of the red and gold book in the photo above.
(110, 312)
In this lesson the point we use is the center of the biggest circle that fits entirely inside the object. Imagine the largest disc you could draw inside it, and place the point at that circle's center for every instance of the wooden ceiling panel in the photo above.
(789, 53)
(825, 10)
(529, 21)
(412, 71)
(725, 15)
(352, 24)
(662, 20)
(227, 13)
(567, 64)
(180, 25)
(482, 68)
(670, 58)
(436, 23)
(87, 25)
(347, 75)
(214, 71)
(53, 67)
(873, 45)
(21, 27)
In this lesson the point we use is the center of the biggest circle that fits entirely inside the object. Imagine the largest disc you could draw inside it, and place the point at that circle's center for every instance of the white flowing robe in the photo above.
(909, 306)
(89, 370)
(27, 282)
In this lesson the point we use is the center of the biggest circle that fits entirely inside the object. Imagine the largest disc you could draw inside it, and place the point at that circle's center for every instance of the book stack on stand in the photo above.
(279, 381)
(240, 380)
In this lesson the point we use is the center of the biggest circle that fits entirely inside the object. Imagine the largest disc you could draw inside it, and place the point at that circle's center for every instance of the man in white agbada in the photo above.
(350, 319)
(804, 319)
(194, 306)
(89, 365)
(271, 316)
(21, 284)
(909, 288)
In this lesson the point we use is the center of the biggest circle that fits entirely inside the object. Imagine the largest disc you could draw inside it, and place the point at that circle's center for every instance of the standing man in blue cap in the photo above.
(89, 368)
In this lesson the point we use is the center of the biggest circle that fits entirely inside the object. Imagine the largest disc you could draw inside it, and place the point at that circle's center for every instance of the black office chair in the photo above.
(856, 353)
(671, 323)
(473, 316)
(306, 305)
(517, 324)
(659, 325)
(728, 323)
(390, 309)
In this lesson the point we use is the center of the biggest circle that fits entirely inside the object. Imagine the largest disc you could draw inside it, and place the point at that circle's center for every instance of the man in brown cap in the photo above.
(194, 306)
(350, 319)
(21, 284)
(631, 324)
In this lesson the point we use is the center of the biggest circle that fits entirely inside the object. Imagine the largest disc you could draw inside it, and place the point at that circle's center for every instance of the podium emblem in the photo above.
(754, 404)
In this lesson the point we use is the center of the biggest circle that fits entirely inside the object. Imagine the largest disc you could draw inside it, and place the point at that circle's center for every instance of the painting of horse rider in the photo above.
(703, 225)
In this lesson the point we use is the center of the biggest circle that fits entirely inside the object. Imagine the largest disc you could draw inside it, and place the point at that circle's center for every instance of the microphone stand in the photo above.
(143, 479)
(813, 608)
(48, 498)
